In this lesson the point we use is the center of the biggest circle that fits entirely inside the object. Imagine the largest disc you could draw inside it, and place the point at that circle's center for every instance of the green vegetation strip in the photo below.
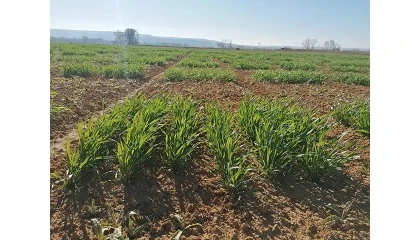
(137, 146)
(181, 132)
(283, 136)
(298, 76)
(197, 63)
(355, 79)
(355, 114)
(198, 74)
(224, 143)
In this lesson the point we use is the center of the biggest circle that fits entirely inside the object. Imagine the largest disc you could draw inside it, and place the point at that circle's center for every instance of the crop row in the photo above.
(281, 137)
(198, 74)
(346, 68)
(131, 71)
(355, 114)
(109, 61)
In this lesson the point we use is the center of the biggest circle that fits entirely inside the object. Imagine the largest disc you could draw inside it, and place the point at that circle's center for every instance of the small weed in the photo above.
(339, 215)
(56, 110)
(179, 224)
(114, 231)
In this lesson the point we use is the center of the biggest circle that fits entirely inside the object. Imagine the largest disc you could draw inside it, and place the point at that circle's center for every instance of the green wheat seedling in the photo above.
(224, 144)
(278, 132)
(250, 117)
(287, 65)
(249, 65)
(89, 152)
(94, 141)
(274, 148)
(355, 79)
(323, 158)
(181, 132)
(198, 63)
(355, 114)
(350, 69)
(266, 128)
(130, 71)
(198, 74)
(282, 76)
(80, 69)
(137, 146)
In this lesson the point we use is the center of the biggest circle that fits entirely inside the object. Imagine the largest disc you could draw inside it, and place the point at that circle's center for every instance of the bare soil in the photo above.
(290, 209)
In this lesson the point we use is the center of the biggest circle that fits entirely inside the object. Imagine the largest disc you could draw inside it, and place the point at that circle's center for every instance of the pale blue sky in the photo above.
(269, 22)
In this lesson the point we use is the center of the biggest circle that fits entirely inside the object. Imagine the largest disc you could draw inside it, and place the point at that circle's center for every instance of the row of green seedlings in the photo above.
(354, 79)
(175, 74)
(354, 114)
(225, 147)
(101, 50)
(293, 76)
(198, 62)
(355, 66)
(130, 134)
(351, 70)
(119, 58)
(97, 140)
(285, 137)
(123, 71)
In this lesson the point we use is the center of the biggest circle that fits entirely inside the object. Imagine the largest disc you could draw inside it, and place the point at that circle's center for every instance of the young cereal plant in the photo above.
(355, 79)
(137, 146)
(267, 127)
(274, 148)
(93, 139)
(80, 69)
(295, 76)
(355, 114)
(224, 144)
(181, 132)
(130, 71)
(322, 158)
(298, 66)
(248, 65)
(249, 118)
(198, 63)
(198, 74)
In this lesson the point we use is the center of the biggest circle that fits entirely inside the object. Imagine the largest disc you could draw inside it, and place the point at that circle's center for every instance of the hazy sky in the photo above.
(269, 22)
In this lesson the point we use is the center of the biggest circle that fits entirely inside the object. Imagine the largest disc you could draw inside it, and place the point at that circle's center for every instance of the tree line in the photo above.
(312, 43)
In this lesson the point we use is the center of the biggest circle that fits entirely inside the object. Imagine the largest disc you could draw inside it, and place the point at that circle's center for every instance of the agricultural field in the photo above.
(183, 143)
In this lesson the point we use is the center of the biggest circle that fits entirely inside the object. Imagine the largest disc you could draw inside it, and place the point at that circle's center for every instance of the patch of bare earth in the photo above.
(290, 209)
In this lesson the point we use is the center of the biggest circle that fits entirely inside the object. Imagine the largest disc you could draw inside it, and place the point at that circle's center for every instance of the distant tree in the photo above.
(119, 37)
(85, 40)
(130, 36)
(331, 46)
(225, 43)
(309, 43)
